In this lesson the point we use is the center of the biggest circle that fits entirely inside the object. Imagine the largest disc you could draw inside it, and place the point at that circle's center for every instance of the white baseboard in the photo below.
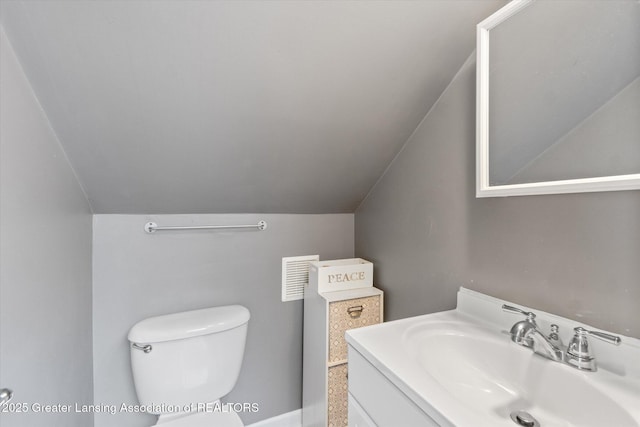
(290, 419)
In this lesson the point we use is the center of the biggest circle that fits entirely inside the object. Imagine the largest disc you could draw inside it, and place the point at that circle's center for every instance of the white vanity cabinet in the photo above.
(374, 401)
(327, 316)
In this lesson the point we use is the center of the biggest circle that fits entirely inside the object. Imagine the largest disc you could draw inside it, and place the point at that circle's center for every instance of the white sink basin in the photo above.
(486, 372)
(461, 371)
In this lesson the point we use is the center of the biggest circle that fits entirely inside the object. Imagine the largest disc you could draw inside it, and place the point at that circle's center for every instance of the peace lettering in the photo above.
(346, 277)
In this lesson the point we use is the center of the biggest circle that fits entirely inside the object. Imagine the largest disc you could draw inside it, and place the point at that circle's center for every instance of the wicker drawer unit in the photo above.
(349, 314)
(327, 316)
(337, 396)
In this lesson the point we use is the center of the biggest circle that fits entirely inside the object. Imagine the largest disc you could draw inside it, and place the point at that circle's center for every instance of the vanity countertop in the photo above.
(461, 368)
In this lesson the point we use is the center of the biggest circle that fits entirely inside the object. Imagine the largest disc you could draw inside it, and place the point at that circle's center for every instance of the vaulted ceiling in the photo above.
(237, 106)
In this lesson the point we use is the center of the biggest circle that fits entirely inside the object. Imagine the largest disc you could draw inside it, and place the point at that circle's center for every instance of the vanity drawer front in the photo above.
(337, 393)
(350, 314)
(383, 402)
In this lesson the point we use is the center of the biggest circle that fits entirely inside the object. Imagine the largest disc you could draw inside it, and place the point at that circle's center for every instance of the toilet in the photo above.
(183, 363)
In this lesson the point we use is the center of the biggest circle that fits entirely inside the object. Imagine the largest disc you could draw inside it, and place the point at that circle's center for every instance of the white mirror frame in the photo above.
(483, 187)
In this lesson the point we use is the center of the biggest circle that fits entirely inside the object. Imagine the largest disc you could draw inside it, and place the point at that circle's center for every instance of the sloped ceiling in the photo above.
(237, 106)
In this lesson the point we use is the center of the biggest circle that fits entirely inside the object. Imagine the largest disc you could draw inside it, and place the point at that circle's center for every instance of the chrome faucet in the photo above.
(578, 354)
(527, 334)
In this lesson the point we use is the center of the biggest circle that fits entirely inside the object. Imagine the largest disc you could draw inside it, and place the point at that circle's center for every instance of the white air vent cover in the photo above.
(295, 276)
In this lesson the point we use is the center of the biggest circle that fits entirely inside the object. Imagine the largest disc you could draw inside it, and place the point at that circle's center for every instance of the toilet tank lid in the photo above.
(188, 324)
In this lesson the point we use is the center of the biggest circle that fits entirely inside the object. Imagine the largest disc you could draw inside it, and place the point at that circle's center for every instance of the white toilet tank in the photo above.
(194, 356)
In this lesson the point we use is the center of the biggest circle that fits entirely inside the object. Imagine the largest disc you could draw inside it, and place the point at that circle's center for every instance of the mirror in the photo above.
(558, 98)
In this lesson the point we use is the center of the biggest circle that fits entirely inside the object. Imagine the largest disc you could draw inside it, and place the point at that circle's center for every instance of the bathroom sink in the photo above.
(486, 372)
(461, 370)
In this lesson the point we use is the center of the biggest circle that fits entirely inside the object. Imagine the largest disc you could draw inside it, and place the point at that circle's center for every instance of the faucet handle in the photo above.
(579, 354)
(530, 315)
(520, 332)
(611, 339)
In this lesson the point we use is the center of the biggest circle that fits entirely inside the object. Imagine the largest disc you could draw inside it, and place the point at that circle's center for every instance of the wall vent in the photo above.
(295, 276)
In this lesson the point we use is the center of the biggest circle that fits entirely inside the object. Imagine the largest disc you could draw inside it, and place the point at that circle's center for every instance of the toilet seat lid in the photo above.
(206, 419)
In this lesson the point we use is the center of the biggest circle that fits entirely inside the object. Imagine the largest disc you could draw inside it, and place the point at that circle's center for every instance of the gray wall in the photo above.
(45, 254)
(137, 275)
(575, 255)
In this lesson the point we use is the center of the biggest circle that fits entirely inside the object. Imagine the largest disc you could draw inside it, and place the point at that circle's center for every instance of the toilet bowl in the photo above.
(183, 363)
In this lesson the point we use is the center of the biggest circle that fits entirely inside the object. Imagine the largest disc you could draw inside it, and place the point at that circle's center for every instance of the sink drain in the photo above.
(525, 419)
